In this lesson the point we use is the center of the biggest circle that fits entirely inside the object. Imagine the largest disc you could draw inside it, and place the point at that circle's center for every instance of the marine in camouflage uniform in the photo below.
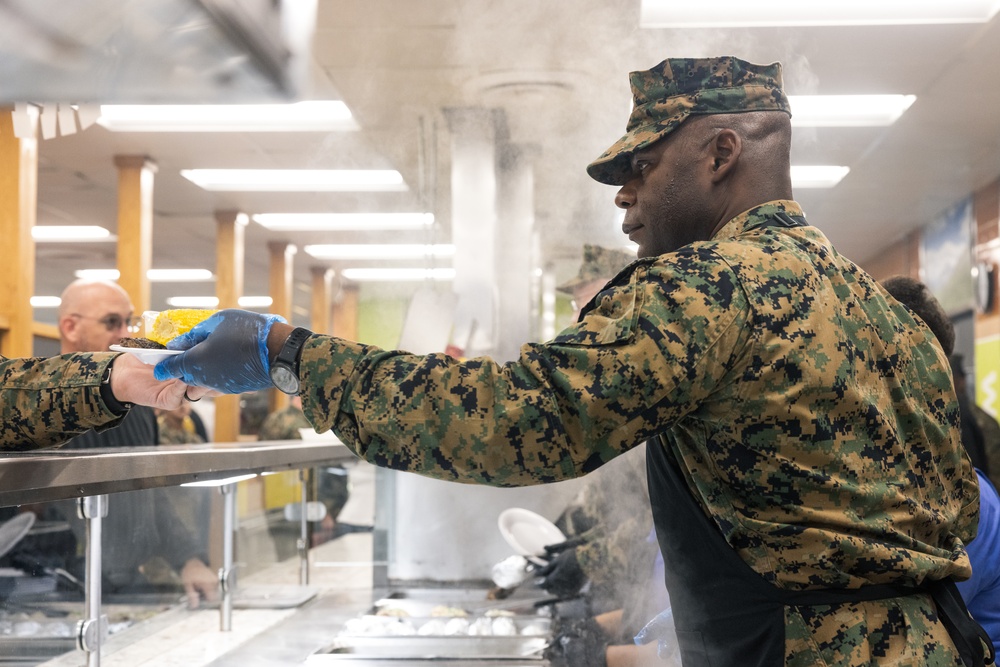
(614, 520)
(811, 423)
(827, 456)
(611, 513)
(44, 402)
(283, 425)
(333, 487)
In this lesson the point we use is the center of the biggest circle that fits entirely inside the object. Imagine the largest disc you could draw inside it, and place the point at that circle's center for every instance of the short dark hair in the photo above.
(914, 295)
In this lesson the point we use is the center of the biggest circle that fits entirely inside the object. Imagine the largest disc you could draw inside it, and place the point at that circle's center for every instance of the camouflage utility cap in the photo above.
(598, 262)
(677, 88)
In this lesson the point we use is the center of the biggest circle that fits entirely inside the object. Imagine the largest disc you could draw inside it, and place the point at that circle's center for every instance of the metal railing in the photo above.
(47, 475)
(89, 475)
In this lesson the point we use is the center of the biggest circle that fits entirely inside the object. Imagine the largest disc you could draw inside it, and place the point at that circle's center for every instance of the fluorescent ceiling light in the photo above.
(379, 251)
(820, 176)
(336, 222)
(213, 301)
(297, 180)
(193, 301)
(397, 275)
(179, 275)
(847, 110)
(45, 302)
(310, 116)
(742, 14)
(98, 274)
(255, 301)
(154, 275)
(70, 233)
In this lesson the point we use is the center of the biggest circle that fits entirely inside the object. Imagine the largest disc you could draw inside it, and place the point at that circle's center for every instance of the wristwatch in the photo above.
(285, 367)
(118, 408)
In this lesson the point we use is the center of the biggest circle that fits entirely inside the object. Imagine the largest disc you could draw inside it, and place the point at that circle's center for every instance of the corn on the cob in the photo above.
(172, 323)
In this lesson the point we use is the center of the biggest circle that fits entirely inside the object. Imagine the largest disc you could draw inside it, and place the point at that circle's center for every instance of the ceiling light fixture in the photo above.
(213, 301)
(766, 13)
(154, 275)
(309, 116)
(379, 251)
(97, 274)
(70, 234)
(193, 301)
(337, 222)
(848, 110)
(45, 302)
(818, 176)
(179, 275)
(397, 275)
(255, 301)
(297, 180)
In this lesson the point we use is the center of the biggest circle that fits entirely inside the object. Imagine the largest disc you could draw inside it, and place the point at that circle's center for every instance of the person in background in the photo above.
(982, 591)
(984, 437)
(972, 434)
(177, 427)
(199, 425)
(608, 525)
(140, 525)
(810, 494)
(333, 486)
(605, 522)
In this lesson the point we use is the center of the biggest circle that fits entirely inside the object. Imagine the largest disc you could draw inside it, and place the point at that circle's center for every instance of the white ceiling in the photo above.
(558, 70)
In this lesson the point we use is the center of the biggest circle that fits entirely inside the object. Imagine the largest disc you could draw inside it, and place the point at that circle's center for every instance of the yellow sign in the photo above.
(988, 374)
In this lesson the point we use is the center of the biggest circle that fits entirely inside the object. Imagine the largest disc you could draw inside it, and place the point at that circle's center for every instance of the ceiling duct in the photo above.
(154, 51)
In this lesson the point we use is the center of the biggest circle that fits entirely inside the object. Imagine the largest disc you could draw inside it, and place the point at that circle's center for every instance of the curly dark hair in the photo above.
(914, 295)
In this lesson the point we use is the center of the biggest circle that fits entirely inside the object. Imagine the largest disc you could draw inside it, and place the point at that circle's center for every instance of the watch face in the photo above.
(284, 379)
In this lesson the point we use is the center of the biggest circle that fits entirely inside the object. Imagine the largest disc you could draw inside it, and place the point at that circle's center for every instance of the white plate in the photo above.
(146, 356)
(527, 533)
(13, 530)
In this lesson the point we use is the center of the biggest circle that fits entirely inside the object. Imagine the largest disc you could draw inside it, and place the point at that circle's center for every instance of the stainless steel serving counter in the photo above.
(47, 475)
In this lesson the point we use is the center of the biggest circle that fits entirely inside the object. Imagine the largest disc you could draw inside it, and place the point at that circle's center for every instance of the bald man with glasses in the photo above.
(93, 316)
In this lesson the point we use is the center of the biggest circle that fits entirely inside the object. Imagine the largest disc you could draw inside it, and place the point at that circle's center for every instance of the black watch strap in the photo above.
(117, 407)
(291, 350)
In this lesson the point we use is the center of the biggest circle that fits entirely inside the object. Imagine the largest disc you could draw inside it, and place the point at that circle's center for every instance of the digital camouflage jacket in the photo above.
(813, 418)
(45, 402)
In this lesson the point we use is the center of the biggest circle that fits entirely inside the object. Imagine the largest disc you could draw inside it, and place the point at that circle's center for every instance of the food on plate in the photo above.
(495, 623)
(141, 343)
(172, 323)
(392, 611)
(446, 611)
(498, 593)
(504, 626)
(391, 626)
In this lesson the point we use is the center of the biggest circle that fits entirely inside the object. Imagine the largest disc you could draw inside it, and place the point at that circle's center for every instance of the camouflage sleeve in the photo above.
(44, 402)
(626, 371)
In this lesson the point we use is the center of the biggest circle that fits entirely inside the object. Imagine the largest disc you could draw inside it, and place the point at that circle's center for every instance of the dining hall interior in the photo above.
(412, 175)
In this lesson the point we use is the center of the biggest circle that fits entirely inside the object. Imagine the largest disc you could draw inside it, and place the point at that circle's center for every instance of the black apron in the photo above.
(724, 612)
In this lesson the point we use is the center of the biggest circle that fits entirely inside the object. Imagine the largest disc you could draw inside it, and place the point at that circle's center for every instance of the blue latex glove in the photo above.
(227, 352)
(660, 630)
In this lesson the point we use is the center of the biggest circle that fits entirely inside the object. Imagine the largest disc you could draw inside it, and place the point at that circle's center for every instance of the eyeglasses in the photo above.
(114, 321)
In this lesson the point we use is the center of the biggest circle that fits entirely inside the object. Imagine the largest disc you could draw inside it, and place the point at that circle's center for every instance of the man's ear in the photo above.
(69, 329)
(725, 151)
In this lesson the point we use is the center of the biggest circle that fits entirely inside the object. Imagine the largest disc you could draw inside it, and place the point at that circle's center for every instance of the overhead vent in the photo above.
(154, 51)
